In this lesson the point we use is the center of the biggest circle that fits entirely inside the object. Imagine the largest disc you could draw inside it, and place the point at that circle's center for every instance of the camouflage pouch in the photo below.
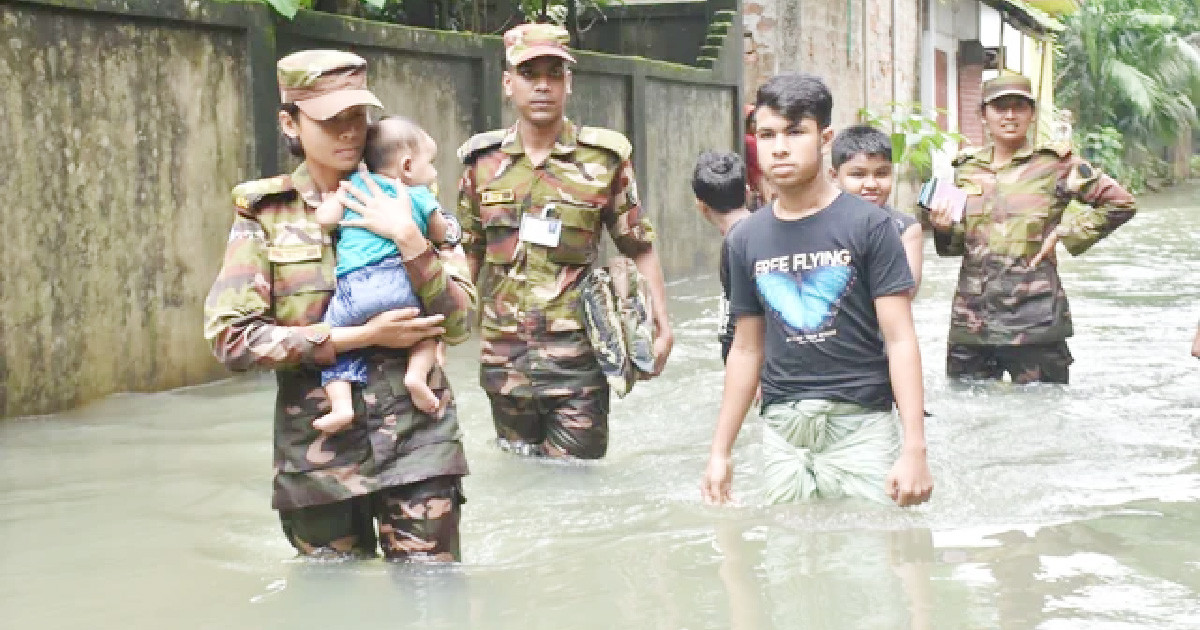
(616, 315)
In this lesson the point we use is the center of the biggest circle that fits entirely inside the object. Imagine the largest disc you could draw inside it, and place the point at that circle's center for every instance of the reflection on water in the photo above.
(1055, 507)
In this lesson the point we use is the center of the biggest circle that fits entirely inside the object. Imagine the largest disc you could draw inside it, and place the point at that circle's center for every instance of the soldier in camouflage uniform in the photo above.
(532, 201)
(1010, 313)
(394, 463)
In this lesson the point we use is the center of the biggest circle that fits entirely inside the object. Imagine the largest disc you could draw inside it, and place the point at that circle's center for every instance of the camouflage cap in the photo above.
(527, 41)
(1006, 84)
(322, 83)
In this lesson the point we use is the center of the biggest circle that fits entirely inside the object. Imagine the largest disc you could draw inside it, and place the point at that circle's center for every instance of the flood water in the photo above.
(1054, 507)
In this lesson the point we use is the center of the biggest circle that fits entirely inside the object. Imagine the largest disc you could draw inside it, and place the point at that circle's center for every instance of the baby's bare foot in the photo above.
(334, 421)
(422, 396)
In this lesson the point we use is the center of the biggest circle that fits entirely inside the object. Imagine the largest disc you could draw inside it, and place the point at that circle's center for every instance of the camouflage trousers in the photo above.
(560, 426)
(547, 392)
(1028, 363)
(417, 521)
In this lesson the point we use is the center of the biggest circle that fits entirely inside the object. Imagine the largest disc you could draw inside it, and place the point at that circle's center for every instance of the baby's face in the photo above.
(416, 168)
(421, 171)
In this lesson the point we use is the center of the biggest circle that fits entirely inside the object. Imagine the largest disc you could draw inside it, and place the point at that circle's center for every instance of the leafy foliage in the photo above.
(288, 8)
(1132, 78)
(916, 136)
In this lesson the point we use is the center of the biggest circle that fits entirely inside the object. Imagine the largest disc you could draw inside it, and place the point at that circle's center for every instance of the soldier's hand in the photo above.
(941, 214)
(1046, 252)
(1196, 344)
(664, 340)
(714, 486)
(909, 482)
(401, 328)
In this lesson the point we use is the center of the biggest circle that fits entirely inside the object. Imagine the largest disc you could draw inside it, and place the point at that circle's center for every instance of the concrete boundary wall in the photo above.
(127, 122)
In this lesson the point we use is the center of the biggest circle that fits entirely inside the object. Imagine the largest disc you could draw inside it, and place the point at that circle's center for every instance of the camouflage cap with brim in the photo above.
(1008, 84)
(323, 83)
(528, 41)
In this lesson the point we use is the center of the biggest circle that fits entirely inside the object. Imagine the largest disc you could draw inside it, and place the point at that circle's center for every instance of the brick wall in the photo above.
(868, 56)
(970, 85)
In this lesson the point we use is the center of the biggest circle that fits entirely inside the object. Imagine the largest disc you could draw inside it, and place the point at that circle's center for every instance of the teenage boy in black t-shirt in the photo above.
(815, 278)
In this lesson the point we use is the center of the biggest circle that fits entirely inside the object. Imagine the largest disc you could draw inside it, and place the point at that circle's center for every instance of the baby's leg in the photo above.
(341, 411)
(421, 359)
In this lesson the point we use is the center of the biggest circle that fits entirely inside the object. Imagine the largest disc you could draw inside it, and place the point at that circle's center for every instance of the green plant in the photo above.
(288, 8)
(916, 136)
(1130, 65)
(1103, 147)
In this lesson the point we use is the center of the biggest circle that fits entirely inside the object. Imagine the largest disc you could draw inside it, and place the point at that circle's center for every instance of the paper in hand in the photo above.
(937, 190)
(956, 196)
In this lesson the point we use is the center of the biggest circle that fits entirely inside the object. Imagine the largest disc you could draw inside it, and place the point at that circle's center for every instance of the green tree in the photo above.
(1127, 66)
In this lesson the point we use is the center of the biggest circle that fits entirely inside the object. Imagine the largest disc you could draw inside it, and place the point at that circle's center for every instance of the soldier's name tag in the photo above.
(293, 253)
(539, 231)
(489, 197)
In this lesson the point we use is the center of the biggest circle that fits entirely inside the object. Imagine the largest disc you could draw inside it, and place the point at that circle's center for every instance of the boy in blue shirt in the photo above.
(820, 288)
(370, 273)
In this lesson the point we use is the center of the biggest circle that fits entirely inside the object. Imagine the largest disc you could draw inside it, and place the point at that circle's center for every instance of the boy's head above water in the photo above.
(862, 163)
(719, 181)
(791, 125)
(397, 147)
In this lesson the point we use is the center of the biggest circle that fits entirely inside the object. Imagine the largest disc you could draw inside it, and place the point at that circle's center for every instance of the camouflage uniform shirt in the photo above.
(264, 311)
(532, 340)
(1010, 211)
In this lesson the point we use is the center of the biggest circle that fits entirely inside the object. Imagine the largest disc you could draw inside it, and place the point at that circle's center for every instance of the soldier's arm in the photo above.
(442, 284)
(634, 237)
(237, 319)
(473, 241)
(1098, 206)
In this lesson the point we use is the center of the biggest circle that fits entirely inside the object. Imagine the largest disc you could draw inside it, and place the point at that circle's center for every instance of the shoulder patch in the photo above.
(479, 143)
(1061, 149)
(247, 195)
(966, 154)
(614, 141)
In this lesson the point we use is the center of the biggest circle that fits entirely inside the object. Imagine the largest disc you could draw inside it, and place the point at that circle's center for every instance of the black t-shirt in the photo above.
(814, 281)
(725, 321)
(903, 220)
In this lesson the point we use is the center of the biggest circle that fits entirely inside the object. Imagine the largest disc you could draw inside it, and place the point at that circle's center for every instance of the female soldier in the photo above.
(394, 463)
(1010, 313)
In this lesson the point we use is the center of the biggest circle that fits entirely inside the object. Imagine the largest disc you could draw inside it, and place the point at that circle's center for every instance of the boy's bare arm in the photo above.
(909, 482)
(741, 382)
(914, 250)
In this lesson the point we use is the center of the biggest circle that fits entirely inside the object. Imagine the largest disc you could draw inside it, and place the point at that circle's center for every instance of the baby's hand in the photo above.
(330, 211)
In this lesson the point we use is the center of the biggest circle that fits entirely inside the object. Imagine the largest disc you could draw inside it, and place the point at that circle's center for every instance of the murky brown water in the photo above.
(1075, 507)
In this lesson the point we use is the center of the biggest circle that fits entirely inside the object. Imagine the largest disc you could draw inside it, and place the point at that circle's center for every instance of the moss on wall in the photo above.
(125, 125)
(124, 137)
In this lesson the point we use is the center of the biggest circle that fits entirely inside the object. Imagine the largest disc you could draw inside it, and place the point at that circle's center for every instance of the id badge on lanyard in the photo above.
(543, 230)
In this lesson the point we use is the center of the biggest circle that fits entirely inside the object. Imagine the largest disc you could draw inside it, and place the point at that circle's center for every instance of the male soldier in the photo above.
(1010, 313)
(531, 202)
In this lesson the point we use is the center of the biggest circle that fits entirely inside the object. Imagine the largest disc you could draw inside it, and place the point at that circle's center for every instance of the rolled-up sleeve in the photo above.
(1098, 206)
(630, 228)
